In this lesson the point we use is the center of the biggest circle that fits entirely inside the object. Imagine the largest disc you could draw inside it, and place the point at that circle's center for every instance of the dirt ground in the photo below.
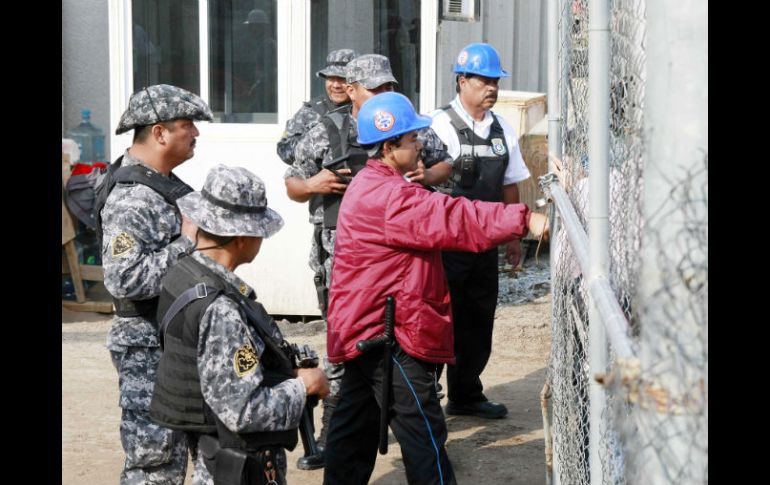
(508, 451)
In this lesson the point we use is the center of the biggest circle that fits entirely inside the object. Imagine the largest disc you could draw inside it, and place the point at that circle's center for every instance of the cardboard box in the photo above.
(526, 111)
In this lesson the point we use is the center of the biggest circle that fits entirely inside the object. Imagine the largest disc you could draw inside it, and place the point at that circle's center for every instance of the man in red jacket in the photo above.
(390, 234)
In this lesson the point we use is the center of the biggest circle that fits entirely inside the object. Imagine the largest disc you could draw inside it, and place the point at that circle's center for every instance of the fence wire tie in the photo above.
(545, 182)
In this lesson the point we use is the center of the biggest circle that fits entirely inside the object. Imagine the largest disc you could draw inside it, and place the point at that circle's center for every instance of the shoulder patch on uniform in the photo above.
(244, 289)
(122, 243)
(245, 360)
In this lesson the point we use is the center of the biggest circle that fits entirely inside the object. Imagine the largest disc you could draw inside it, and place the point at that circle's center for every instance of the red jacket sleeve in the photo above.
(418, 219)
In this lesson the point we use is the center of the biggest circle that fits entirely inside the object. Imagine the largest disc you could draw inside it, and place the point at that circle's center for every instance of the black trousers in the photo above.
(473, 287)
(416, 420)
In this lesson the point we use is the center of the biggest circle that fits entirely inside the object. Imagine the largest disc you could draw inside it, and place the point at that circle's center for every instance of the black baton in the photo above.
(387, 340)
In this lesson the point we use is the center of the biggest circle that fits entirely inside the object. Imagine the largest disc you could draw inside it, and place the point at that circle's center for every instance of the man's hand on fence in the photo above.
(538, 225)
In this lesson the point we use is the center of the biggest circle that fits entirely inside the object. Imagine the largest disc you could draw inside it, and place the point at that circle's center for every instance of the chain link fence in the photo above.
(653, 413)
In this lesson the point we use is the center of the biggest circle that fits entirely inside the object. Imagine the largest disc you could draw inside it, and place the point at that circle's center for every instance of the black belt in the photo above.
(234, 466)
(137, 308)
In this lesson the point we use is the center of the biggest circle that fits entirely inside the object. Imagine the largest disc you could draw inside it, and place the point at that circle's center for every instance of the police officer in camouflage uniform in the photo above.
(308, 115)
(224, 377)
(311, 111)
(142, 235)
(315, 173)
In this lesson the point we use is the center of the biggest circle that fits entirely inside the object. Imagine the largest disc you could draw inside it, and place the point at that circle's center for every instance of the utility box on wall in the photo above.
(525, 111)
(461, 10)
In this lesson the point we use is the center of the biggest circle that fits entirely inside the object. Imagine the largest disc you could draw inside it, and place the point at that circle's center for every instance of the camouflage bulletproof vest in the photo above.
(170, 188)
(344, 147)
(321, 105)
(177, 400)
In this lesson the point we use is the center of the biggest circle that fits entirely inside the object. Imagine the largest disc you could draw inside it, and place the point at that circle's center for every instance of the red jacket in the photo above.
(390, 234)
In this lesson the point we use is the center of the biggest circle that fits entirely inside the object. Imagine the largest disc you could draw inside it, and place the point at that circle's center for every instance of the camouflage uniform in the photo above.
(237, 398)
(240, 402)
(372, 71)
(314, 149)
(139, 244)
(296, 127)
(139, 226)
(433, 148)
(307, 116)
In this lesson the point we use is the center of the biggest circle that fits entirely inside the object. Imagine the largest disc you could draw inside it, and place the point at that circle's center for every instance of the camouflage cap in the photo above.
(162, 102)
(336, 62)
(371, 70)
(231, 203)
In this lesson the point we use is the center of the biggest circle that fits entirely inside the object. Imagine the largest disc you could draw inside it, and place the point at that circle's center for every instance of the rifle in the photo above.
(303, 357)
(386, 340)
(337, 163)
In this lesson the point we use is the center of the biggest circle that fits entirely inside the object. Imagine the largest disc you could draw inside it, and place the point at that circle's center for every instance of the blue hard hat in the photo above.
(386, 116)
(481, 59)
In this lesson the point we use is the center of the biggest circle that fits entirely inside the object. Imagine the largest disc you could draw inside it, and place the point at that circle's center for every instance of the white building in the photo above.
(214, 48)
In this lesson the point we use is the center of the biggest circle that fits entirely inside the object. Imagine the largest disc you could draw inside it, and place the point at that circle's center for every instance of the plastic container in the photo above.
(89, 138)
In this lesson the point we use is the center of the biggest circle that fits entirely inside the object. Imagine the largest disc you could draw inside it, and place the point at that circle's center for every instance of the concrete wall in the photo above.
(85, 64)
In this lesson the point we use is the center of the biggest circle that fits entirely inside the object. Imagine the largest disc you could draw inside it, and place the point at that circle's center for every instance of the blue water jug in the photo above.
(89, 138)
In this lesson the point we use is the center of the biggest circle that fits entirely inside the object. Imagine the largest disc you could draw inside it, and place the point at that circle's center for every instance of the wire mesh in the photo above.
(655, 423)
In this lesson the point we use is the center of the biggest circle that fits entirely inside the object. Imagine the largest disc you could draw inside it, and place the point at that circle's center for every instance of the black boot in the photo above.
(313, 462)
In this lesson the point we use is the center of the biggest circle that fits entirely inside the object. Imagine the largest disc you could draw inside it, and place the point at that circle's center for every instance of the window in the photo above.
(387, 27)
(165, 43)
(242, 64)
(243, 58)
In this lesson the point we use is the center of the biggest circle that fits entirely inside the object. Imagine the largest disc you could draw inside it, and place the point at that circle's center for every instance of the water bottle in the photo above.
(88, 248)
(89, 138)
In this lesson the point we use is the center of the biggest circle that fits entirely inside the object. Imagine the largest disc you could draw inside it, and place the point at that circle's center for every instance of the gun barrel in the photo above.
(307, 432)
(335, 161)
(305, 357)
